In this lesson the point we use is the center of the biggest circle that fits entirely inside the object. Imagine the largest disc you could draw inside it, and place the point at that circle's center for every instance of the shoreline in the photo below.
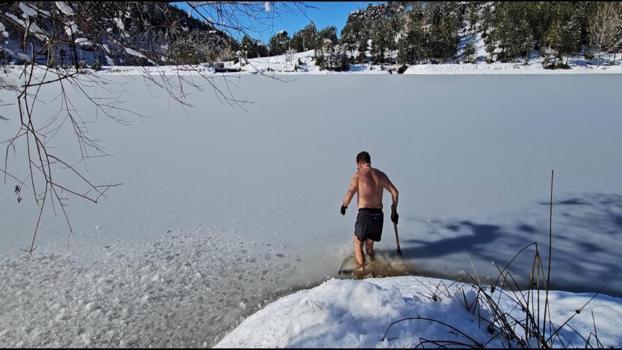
(423, 69)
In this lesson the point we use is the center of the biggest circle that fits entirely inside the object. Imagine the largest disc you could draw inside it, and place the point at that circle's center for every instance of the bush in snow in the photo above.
(331, 57)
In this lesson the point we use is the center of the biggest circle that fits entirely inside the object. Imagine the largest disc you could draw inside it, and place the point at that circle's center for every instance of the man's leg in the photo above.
(369, 245)
(358, 252)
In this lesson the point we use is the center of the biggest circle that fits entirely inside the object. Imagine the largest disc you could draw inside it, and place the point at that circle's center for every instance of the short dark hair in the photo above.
(363, 157)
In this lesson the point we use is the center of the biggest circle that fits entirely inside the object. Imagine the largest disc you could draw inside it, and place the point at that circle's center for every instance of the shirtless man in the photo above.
(369, 184)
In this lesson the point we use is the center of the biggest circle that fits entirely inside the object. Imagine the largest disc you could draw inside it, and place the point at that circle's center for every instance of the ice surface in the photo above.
(471, 156)
(183, 290)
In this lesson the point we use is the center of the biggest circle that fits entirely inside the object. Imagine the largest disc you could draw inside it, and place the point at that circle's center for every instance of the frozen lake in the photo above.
(470, 155)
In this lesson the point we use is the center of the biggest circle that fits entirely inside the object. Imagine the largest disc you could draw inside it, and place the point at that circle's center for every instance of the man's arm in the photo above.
(354, 187)
(394, 195)
(388, 185)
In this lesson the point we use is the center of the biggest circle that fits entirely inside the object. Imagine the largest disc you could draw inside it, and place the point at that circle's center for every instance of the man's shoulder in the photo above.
(379, 172)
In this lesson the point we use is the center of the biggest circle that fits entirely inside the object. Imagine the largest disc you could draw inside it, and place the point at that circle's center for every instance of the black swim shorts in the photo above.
(369, 224)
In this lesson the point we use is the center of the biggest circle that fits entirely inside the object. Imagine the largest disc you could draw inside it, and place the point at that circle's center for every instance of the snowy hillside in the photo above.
(105, 33)
(89, 34)
(304, 63)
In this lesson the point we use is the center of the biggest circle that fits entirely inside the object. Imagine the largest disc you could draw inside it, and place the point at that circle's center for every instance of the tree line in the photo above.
(447, 31)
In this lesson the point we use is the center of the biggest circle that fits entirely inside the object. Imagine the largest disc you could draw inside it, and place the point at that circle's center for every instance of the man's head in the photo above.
(363, 158)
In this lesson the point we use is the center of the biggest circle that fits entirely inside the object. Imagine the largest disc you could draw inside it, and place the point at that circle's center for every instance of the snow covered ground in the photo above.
(347, 313)
(534, 67)
(304, 63)
(285, 64)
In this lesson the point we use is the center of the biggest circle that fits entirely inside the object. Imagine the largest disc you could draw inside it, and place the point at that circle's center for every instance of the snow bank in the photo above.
(297, 62)
(304, 63)
(508, 68)
(346, 313)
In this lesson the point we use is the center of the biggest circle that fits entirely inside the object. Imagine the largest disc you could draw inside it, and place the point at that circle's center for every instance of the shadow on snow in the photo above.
(585, 255)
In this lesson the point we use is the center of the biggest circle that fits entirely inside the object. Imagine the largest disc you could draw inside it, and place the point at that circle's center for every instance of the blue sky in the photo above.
(287, 16)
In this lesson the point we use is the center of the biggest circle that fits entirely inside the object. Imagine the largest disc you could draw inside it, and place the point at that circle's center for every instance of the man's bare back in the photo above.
(369, 184)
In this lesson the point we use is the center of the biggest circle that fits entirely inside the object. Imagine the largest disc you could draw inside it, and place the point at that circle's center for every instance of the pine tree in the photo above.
(469, 51)
(279, 43)
(443, 19)
(563, 36)
(539, 16)
(354, 36)
(246, 46)
(605, 27)
(488, 33)
(412, 43)
(305, 39)
(379, 40)
(328, 33)
(297, 43)
(472, 15)
(520, 40)
(583, 12)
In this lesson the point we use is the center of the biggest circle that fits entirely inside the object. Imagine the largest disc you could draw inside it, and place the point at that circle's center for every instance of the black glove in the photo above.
(394, 216)
(343, 210)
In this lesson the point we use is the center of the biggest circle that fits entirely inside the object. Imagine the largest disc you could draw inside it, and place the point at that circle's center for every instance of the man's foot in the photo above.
(371, 255)
(359, 269)
(361, 272)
